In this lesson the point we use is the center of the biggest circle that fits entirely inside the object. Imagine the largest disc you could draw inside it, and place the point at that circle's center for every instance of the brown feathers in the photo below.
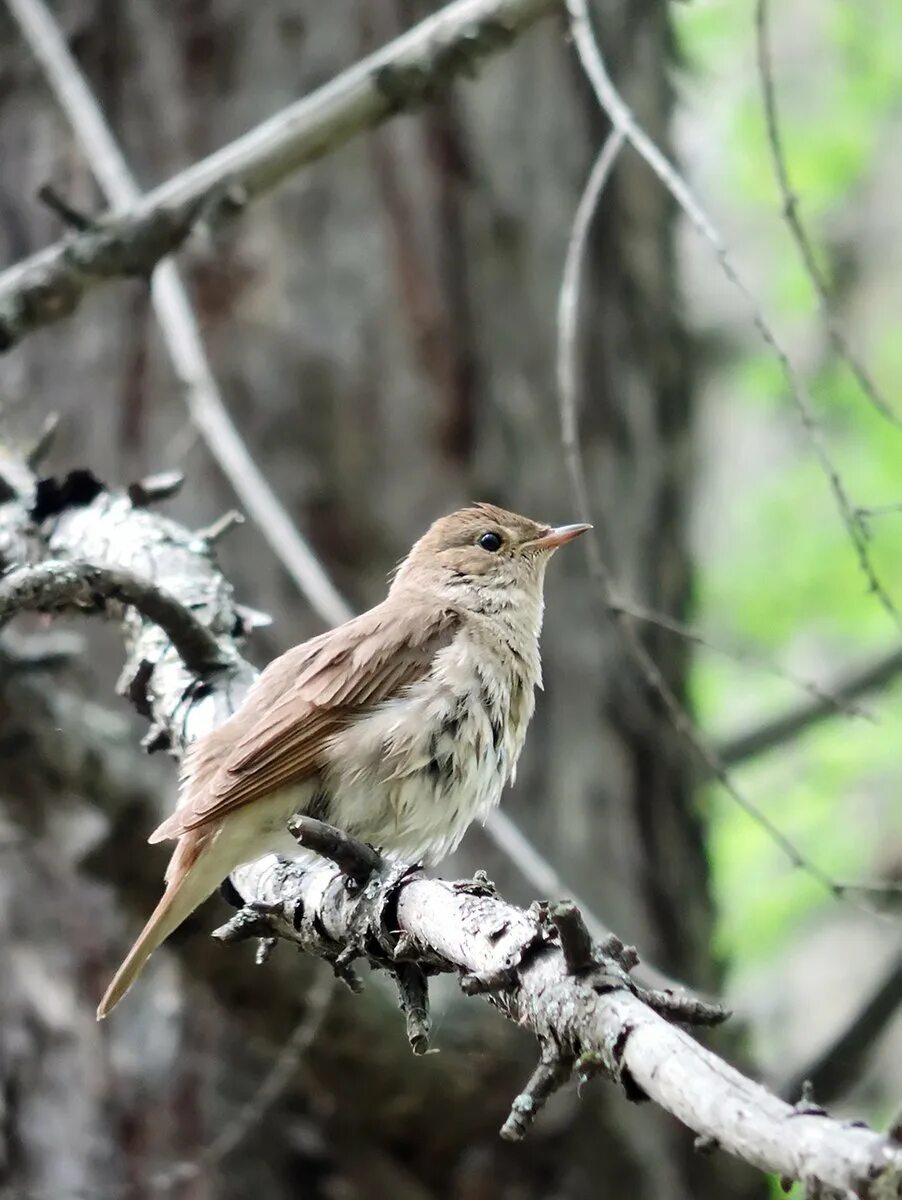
(300, 701)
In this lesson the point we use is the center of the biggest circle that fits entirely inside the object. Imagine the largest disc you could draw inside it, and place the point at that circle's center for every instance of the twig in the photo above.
(830, 700)
(414, 1001)
(838, 1065)
(48, 196)
(552, 1073)
(878, 510)
(44, 442)
(567, 379)
(154, 488)
(568, 314)
(399, 77)
(797, 229)
(63, 584)
(624, 122)
(576, 943)
(780, 729)
(274, 1084)
(217, 530)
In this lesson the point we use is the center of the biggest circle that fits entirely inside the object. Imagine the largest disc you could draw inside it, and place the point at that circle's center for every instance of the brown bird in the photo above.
(400, 726)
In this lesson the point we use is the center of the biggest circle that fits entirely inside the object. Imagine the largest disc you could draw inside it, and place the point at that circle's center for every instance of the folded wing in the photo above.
(300, 702)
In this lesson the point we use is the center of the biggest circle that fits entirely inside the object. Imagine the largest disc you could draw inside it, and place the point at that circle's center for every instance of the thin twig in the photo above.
(273, 1085)
(624, 122)
(568, 395)
(178, 324)
(780, 729)
(568, 313)
(829, 700)
(838, 1066)
(797, 229)
(878, 510)
(567, 367)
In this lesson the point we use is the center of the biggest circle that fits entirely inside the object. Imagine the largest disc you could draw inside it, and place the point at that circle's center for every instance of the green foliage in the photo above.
(784, 577)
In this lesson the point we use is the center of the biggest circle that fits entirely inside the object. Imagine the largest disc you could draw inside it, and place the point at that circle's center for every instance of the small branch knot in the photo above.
(576, 942)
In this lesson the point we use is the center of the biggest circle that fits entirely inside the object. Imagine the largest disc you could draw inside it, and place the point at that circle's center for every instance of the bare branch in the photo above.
(878, 510)
(354, 859)
(552, 1073)
(830, 700)
(571, 286)
(277, 1080)
(593, 1019)
(399, 77)
(568, 314)
(624, 122)
(797, 229)
(781, 729)
(59, 585)
(43, 443)
(833, 1071)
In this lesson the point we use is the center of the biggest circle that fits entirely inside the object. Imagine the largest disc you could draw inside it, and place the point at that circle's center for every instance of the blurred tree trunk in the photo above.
(383, 330)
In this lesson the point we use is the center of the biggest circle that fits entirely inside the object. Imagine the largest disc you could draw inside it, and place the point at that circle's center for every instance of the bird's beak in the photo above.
(558, 536)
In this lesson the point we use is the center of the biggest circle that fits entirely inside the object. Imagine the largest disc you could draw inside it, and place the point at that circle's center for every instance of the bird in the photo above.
(400, 727)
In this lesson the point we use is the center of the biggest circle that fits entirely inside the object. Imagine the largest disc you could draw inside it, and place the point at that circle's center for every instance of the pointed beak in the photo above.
(558, 536)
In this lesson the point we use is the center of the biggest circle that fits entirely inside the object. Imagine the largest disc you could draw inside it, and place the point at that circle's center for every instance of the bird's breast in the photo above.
(411, 775)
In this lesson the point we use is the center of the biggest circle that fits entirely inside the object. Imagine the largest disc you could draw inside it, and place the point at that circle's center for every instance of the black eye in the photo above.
(490, 541)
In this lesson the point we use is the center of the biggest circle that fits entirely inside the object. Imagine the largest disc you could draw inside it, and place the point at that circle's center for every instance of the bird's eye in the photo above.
(490, 541)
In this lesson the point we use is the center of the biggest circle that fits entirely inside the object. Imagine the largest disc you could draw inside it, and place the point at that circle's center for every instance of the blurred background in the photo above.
(383, 328)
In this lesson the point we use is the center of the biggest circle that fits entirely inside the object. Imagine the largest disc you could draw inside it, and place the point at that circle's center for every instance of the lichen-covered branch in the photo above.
(585, 1010)
(406, 73)
(537, 967)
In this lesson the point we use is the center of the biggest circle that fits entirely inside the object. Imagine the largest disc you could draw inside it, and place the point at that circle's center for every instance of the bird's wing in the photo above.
(301, 701)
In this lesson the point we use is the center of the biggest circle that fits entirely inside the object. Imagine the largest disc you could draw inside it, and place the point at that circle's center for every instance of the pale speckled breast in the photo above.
(412, 776)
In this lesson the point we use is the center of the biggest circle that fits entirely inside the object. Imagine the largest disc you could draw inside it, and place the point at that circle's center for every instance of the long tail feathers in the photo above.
(189, 885)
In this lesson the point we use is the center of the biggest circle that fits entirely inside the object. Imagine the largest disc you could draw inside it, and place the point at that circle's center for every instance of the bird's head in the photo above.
(483, 557)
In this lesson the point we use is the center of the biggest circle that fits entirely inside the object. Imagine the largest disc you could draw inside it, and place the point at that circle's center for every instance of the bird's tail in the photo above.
(190, 880)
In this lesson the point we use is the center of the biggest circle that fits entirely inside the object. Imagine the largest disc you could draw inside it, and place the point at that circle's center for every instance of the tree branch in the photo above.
(780, 729)
(584, 1009)
(60, 585)
(401, 76)
(839, 1065)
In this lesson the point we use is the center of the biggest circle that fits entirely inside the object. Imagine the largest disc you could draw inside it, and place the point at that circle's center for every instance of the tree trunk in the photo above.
(383, 331)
